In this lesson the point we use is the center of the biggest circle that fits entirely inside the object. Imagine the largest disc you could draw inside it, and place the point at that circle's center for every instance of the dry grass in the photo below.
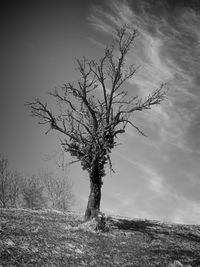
(47, 238)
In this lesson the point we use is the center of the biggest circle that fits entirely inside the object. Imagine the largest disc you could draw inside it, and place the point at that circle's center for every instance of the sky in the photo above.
(156, 177)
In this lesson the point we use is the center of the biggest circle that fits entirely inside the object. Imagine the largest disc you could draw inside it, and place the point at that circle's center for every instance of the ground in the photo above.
(50, 238)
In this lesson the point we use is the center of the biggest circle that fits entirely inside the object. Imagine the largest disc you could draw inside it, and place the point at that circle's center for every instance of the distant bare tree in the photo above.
(59, 190)
(33, 193)
(4, 181)
(94, 111)
(15, 188)
(9, 184)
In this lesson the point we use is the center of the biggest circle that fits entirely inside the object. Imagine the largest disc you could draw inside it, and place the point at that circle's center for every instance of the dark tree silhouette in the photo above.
(94, 111)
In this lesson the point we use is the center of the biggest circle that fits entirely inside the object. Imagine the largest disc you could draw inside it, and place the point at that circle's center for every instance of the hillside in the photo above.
(47, 238)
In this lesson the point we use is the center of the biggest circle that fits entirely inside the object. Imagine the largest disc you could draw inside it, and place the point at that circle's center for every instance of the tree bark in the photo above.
(93, 205)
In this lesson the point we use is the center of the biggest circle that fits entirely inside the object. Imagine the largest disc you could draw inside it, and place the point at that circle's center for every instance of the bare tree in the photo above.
(33, 193)
(94, 111)
(4, 181)
(59, 190)
(15, 188)
(9, 184)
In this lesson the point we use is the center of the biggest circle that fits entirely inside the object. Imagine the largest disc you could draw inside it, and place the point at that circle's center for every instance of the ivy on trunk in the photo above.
(92, 112)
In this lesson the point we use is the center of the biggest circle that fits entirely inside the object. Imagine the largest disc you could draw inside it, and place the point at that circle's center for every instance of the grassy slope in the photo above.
(31, 238)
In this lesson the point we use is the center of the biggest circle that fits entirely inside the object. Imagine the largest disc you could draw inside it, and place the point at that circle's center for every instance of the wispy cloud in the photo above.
(151, 192)
(94, 41)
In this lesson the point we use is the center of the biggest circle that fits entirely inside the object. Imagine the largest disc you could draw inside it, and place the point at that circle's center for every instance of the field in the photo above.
(50, 238)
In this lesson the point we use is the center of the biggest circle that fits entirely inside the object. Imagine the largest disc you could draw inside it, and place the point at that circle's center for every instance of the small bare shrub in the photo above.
(97, 224)
(102, 223)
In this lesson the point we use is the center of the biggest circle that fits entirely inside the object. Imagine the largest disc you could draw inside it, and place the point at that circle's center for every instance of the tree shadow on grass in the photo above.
(132, 225)
(167, 240)
(154, 227)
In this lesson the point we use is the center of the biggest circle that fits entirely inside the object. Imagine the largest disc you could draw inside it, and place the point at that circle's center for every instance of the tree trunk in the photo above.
(93, 206)
(94, 199)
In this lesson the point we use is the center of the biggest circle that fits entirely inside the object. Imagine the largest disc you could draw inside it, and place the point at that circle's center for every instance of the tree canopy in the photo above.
(93, 111)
